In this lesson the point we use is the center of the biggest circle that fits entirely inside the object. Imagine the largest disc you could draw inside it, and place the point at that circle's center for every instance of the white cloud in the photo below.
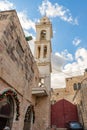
(67, 55)
(75, 68)
(59, 59)
(72, 69)
(57, 62)
(26, 32)
(81, 57)
(56, 10)
(25, 21)
(31, 44)
(76, 41)
(57, 80)
(6, 5)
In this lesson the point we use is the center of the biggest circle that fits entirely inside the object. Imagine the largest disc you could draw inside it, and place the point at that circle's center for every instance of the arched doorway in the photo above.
(29, 118)
(8, 103)
(6, 112)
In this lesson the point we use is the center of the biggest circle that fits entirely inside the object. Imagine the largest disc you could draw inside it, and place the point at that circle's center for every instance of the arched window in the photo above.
(43, 34)
(39, 51)
(45, 52)
(29, 118)
(41, 82)
(6, 112)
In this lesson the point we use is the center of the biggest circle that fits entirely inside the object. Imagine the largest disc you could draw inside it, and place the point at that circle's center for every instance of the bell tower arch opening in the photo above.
(43, 35)
(45, 52)
(39, 51)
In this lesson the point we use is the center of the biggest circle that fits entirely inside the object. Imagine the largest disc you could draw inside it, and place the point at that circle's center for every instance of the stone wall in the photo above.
(61, 93)
(67, 92)
(80, 98)
(18, 70)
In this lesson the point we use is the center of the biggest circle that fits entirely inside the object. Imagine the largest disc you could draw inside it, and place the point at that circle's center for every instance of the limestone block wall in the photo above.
(16, 60)
(70, 82)
(81, 101)
(18, 70)
(61, 93)
(42, 113)
(68, 92)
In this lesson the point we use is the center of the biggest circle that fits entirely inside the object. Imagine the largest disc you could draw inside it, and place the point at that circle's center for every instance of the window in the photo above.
(45, 52)
(6, 112)
(29, 118)
(41, 82)
(43, 34)
(39, 50)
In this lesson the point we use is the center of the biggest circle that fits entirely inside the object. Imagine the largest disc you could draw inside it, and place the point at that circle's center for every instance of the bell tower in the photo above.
(43, 49)
(42, 54)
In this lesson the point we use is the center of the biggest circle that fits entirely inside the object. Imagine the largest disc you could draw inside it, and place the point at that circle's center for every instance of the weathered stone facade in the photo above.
(67, 92)
(80, 98)
(18, 73)
(61, 93)
(24, 82)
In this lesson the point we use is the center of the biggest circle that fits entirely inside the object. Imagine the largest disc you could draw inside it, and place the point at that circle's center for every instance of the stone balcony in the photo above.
(39, 91)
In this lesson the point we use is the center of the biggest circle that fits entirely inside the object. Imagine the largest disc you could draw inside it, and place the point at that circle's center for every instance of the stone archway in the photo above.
(29, 118)
(6, 112)
(8, 102)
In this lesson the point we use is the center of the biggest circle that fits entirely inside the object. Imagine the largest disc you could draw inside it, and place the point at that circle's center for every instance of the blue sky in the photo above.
(69, 42)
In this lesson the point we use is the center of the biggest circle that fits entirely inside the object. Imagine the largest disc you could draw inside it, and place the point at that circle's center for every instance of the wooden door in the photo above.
(62, 112)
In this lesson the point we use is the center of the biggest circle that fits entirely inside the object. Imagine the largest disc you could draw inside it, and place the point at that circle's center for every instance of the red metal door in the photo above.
(62, 112)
